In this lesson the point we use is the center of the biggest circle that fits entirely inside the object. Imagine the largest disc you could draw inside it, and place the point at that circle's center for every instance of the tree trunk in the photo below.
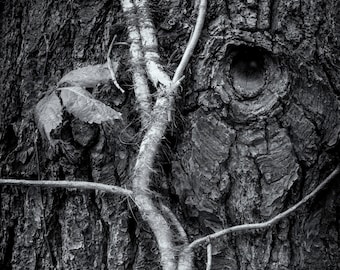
(256, 128)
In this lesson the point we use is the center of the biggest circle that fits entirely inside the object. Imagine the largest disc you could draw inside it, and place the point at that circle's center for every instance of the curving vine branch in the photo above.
(184, 264)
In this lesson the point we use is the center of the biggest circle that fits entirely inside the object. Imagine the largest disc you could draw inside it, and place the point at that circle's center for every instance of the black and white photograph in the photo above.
(169, 135)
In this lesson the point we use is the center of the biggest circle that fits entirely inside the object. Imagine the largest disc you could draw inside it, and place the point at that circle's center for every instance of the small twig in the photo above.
(68, 184)
(120, 43)
(131, 210)
(45, 235)
(35, 142)
(47, 50)
(209, 256)
(109, 65)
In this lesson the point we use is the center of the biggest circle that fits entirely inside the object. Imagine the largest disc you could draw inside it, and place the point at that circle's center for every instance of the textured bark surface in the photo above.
(256, 130)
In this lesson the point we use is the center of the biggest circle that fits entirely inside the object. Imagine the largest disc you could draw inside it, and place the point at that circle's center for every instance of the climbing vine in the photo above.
(71, 95)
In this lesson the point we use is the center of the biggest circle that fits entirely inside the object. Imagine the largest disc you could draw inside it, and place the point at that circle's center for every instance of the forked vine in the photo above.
(184, 261)
(146, 66)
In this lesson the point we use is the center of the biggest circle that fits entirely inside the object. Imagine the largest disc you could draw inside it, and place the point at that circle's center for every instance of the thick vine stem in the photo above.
(185, 264)
(176, 223)
(163, 107)
(141, 175)
(140, 82)
(141, 181)
(154, 68)
(159, 227)
(68, 184)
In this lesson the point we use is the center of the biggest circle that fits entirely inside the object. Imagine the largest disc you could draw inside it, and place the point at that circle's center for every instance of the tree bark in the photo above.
(255, 131)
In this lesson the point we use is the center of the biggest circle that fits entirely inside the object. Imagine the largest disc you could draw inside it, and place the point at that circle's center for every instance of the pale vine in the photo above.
(155, 118)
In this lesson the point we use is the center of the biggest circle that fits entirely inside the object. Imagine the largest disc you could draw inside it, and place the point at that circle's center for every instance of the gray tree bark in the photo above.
(256, 129)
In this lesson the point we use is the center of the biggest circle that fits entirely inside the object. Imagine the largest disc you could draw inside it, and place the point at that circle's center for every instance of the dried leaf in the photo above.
(89, 76)
(48, 114)
(82, 105)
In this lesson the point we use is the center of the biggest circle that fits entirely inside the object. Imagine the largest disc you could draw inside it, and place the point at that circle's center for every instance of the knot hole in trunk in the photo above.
(248, 70)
